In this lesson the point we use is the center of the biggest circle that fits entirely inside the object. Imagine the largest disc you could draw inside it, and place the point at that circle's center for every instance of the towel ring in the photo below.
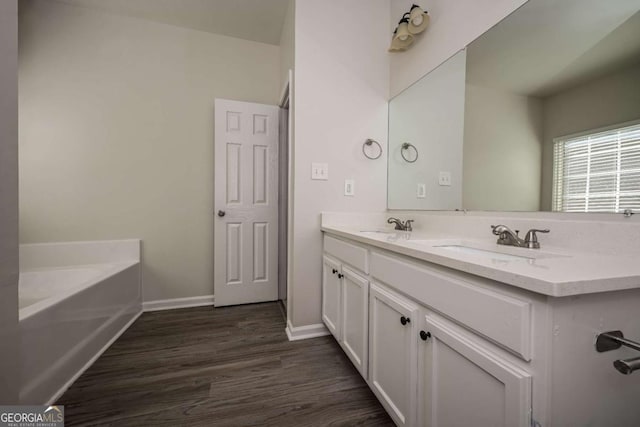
(370, 142)
(406, 146)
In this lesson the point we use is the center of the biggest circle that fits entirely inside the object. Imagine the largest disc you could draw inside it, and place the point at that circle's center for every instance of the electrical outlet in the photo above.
(445, 179)
(349, 187)
(320, 171)
(421, 191)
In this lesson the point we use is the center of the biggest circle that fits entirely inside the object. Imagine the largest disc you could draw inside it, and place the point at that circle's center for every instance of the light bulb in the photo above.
(418, 20)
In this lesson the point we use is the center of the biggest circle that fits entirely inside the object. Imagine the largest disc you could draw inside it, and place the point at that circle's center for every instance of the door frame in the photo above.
(287, 98)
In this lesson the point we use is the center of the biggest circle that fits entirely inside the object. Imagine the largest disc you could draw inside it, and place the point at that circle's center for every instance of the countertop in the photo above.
(550, 271)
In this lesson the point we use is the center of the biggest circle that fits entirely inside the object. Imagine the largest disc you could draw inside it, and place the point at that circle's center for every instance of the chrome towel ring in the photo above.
(369, 142)
(406, 146)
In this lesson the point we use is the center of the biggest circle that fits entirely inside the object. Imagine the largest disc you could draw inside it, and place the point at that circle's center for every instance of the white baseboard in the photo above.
(87, 365)
(305, 332)
(170, 304)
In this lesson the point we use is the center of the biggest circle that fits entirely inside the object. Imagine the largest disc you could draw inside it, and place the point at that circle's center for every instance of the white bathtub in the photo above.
(75, 300)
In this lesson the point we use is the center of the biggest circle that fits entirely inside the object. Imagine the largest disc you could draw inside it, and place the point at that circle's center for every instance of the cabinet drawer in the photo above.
(356, 256)
(501, 318)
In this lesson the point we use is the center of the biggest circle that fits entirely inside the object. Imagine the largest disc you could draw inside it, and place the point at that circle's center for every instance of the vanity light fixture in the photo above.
(412, 23)
(418, 20)
(402, 38)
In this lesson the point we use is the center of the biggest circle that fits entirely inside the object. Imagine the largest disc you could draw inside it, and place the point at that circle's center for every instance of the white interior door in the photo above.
(246, 203)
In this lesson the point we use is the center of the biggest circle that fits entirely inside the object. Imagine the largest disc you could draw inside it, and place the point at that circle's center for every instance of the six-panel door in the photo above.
(393, 352)
(246, 203)
(331, 295)
(463, 384)
(355, 320)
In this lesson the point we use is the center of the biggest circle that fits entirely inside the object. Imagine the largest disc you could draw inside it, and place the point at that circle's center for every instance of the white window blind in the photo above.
(598, 172)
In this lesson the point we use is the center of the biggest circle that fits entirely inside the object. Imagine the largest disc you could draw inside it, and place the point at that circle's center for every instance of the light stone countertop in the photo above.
(550, 271)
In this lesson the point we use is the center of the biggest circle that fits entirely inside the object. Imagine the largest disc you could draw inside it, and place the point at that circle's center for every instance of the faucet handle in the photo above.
(407, 225)
(531, 239)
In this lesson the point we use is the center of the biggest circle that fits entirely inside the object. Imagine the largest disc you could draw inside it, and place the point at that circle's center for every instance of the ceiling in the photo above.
(547, 45)
(256, 20)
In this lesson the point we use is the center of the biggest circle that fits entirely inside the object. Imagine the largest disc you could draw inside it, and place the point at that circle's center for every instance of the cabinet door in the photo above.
(462, 384)
(331, 295)
(355, 318)
(392, 356)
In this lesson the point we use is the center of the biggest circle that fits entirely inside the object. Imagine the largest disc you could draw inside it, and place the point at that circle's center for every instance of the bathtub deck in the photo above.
(221, 367)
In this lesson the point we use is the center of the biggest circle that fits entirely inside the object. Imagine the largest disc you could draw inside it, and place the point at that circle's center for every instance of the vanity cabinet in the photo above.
(441, 346)
(424, 369)
(392, 359)
(331, 290)
(345, 294)
(355, 321)
(460, 383)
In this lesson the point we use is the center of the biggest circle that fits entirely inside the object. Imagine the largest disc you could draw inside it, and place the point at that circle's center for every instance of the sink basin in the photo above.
(378, 232)
(391, 235)
(482, 252)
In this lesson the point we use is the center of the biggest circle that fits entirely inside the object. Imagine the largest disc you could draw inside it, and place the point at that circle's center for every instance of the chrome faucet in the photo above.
(509, 238)
(403, 226)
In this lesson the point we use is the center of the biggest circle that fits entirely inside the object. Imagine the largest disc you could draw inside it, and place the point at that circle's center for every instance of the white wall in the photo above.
(287, 43)
(502, 150)
(609, 100)
(454, 24)
(341, 92)
(431, 117)
(116, 134)
(9, 380)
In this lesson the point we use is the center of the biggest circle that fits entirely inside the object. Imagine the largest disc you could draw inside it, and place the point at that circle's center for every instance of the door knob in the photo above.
(340, 276)
(221, 213)
(405, 320)
(334, 271)
(425, 335)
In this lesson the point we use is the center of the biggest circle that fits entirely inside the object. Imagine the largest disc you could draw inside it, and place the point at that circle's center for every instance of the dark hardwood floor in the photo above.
(221, 367)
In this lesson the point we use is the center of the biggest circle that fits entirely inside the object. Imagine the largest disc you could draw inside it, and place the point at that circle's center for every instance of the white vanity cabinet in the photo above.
(442, 347)
(331, 295)
(354, 315)
(392, 358)
(345, 299)
(449, 377)
(460, 383)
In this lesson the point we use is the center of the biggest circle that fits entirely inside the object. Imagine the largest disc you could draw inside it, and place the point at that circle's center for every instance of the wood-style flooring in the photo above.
(221, 367)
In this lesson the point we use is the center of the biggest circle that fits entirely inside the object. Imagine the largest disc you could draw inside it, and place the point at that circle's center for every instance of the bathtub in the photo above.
(75, 299)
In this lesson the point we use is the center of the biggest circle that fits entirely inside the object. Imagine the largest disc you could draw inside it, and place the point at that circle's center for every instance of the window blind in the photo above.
(597, 172)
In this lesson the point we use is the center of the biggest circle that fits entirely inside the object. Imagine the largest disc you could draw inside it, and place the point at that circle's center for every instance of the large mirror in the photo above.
(542, 112)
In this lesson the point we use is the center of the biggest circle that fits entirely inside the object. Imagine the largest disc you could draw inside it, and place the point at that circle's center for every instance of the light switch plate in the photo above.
(445, 179)
(320, 171)
(349, 187)
(421, 191)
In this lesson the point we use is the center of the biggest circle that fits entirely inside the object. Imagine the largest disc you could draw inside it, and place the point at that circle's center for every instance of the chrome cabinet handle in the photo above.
(221, 213)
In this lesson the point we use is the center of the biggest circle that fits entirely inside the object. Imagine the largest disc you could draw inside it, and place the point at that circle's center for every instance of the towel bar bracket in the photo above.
(613, 340)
